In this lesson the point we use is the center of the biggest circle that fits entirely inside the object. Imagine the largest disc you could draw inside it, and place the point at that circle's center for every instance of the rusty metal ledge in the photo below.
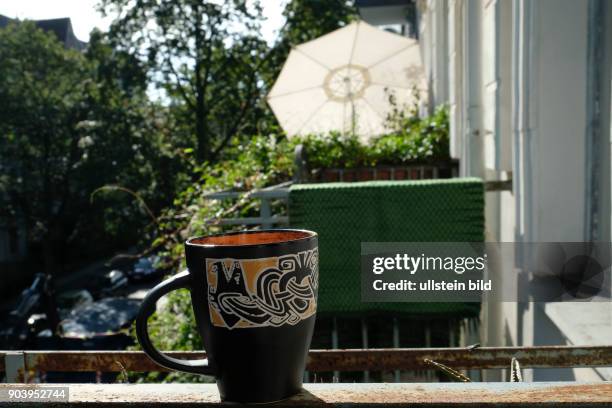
(345, 395)
(342, 360)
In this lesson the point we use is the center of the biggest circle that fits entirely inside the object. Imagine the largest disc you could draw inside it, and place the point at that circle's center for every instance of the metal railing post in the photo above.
(14, 362)
(266, 219)
(334, 340)
(265, 213)
(396, 344)
(365, 344)
(428, 374)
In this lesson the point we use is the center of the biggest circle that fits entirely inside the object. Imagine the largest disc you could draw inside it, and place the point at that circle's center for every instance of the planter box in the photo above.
(401, 172)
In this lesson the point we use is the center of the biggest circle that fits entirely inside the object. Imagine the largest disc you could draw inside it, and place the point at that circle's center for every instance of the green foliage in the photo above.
(173, 328)
(414, 139)
(309, 19)
(70, 122)
(306, 20)
(206, 57)
(73, 122)
(210, 61)
(268, 159)
(262, 161)
(335, 150)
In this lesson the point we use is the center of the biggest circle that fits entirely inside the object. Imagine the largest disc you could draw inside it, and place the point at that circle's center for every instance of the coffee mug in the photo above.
(254, 296)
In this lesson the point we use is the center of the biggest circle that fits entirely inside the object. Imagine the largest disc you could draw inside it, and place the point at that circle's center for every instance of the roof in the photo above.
(61, 27)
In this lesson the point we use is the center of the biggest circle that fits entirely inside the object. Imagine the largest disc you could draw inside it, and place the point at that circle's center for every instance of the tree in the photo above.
(306, 20)
(205, 55)
(211, 62)
(69, 123)
(309, 19)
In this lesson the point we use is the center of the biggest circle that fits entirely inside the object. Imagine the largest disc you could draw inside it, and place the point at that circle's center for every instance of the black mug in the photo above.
(254, 296)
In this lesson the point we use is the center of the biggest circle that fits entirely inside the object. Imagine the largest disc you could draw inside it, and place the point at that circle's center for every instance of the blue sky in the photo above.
(84, 16)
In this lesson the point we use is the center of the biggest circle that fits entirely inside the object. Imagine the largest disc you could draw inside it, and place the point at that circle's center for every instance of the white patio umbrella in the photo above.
(342, 81)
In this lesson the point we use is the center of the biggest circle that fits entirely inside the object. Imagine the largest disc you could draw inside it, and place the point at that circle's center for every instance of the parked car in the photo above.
(113, 283)
(17, 330)
(93, 326)
(102, 318)
(146, 268)
(110, 284)
(66, 301)
(37, 323)
(71, 299)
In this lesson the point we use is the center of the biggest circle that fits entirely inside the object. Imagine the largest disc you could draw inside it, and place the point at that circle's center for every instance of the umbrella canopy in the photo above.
(342, 81)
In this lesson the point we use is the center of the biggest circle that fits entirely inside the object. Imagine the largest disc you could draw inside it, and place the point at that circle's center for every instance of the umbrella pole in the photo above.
(353, 118)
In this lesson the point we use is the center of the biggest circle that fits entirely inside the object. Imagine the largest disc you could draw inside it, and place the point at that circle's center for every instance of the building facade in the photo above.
(527, 83)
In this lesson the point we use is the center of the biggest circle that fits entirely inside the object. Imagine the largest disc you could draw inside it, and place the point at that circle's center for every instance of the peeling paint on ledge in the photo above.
(413, 395)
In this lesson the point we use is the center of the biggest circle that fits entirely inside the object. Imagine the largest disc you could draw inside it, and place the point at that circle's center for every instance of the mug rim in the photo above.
(311, 235)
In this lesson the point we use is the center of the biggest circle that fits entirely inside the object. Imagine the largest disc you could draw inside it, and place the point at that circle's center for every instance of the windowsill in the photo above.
(584, 324)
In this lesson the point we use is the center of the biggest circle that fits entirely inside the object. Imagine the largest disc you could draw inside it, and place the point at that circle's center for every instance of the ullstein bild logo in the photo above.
(467, 272)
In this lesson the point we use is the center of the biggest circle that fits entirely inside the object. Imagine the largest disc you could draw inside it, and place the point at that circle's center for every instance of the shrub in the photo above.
(413, 140)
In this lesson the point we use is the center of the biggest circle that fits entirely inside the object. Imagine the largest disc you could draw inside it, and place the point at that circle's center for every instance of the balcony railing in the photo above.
(17, 364)
(20, 366)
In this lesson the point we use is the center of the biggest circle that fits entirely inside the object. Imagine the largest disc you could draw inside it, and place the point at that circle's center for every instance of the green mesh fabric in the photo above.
(346, 214)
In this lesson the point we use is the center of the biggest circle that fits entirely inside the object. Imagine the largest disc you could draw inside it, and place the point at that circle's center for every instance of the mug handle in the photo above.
(147, 308)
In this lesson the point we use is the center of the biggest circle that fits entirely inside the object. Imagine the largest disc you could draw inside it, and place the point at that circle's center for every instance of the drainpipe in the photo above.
(593, 113)
(521, 121)
(523, 134)
(472, 163)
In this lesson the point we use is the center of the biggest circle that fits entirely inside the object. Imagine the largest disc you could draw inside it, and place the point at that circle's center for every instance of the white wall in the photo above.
(433, 38)
(516, 78)
(558, 155)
